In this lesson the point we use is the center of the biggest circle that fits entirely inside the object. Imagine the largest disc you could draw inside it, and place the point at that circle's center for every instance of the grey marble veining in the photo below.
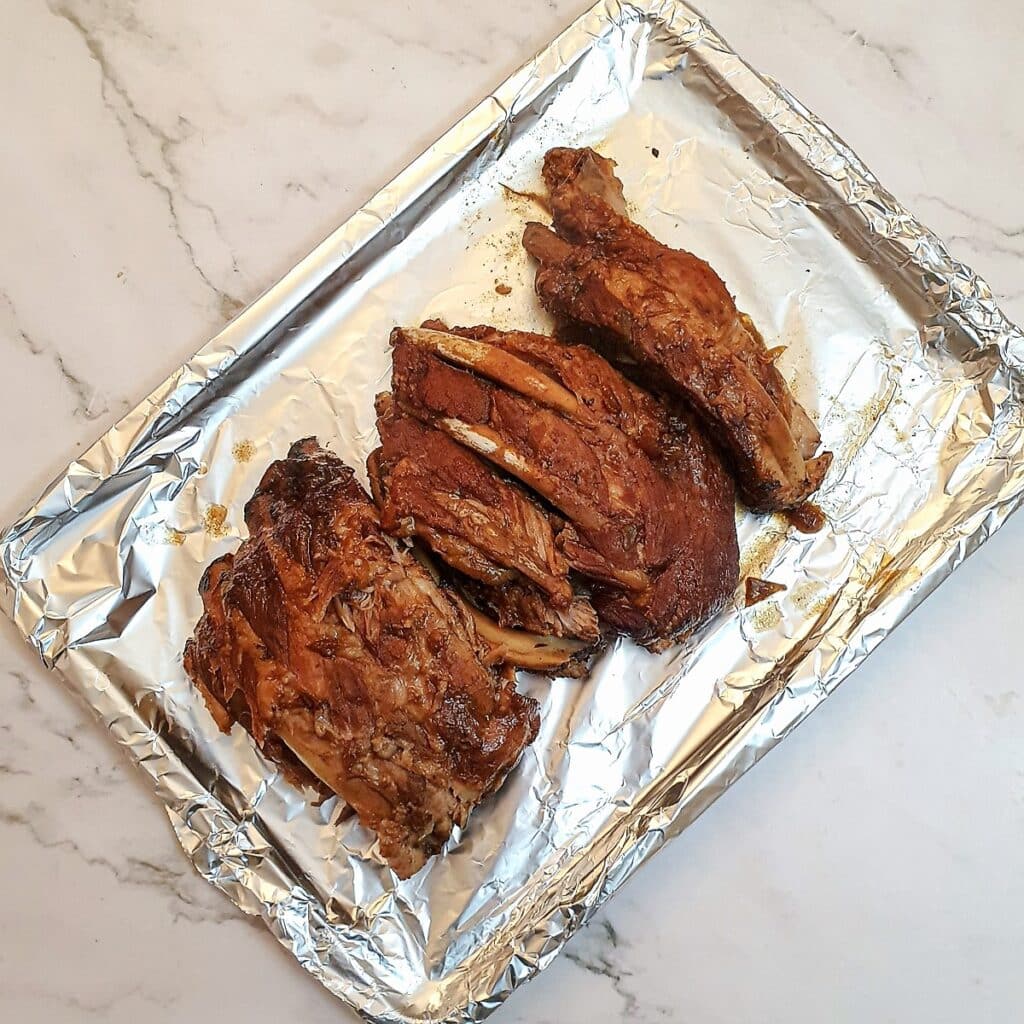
(166, 162)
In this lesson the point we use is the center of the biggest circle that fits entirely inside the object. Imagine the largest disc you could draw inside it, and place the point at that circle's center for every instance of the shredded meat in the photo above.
(429, 486)
(645, 510)
(521, 606)
(676, 318)
(479, 523)
(347, 663)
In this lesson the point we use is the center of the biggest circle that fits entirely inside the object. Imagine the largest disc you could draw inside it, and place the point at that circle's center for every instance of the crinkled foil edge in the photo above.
(232, 854)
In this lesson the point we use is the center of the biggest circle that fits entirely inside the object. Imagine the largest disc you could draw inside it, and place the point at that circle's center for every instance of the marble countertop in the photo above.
(164, 163)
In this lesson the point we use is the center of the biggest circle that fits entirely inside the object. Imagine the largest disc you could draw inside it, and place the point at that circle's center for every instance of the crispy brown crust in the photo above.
(677, 319)
(642, 506)
(346, 662)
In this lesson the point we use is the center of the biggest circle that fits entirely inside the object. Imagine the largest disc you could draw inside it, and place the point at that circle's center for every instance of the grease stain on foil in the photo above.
(758, 553)
(243, 451)
(766, 616)
(215, 521)
(161, 533)
(809, 597)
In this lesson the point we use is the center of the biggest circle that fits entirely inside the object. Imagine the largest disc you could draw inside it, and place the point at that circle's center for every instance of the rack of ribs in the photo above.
(674, 316)
(558, 484)
(349, 666)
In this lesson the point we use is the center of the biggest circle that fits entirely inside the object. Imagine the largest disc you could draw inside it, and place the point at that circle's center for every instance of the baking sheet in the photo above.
(896, 350)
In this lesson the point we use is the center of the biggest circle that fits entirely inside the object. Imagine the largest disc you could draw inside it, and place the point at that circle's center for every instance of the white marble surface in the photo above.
(163, 163)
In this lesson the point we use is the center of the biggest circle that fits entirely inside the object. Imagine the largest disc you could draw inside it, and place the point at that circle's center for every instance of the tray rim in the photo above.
(240, 335)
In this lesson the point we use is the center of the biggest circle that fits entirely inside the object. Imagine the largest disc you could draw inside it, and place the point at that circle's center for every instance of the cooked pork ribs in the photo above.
(675, 317)
(481, 524)
(348, 665)
(629, 500)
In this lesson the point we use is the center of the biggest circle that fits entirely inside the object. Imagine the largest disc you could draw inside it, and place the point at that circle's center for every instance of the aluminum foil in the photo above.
(897, 350)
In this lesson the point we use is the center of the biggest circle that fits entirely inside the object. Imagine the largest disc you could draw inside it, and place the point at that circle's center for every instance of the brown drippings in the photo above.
(807, 518)
(758, 590)
(173, 537)
(534, 197)
(766, 618)
(503, 289)
(759, 552)
(774, 353)
(243, 451)
(809, 597)
(215, 519)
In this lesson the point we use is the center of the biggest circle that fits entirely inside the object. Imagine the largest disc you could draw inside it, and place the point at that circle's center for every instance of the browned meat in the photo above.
(678, 320)
(648, 509)
(429, 486)
(474, 519)
(338, 652)
(523, 606)
(595, 386)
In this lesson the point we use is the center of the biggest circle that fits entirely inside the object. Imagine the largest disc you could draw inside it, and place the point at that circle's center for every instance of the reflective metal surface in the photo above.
(897, 351)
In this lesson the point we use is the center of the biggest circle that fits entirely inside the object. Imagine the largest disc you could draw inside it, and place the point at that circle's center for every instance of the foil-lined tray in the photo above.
(897, 350)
